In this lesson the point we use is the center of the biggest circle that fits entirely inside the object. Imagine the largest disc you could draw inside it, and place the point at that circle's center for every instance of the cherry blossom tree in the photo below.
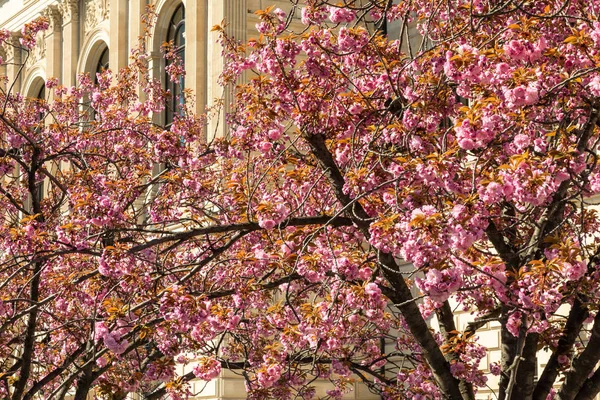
(368, 187)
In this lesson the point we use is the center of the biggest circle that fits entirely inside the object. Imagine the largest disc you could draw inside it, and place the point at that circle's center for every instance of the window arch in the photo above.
(41, 93)
(102, 64)
(36, 92)
(175, 36)
(36, 95)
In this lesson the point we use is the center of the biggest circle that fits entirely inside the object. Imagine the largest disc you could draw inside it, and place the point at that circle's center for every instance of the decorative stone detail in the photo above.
(12, 49)
(69, 10)
(38, 52)
(96, 11)
(55, 18)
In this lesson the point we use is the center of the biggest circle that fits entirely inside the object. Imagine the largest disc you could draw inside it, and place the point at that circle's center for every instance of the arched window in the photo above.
(102, 64)
(176, 36)
(41, 96)
(41, 93)
(40, 185)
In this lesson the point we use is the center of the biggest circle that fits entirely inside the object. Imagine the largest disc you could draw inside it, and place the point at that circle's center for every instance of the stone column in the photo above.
(154, 65)
(136, 26)
(70, 35)
(136, 30)
(14, 63)
(196, 31)
(234, 14)
(3, 68)
(54, 44)
(118, 45)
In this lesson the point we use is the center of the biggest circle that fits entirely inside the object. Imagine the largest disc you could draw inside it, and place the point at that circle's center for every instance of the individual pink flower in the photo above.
(495, 368)
(265, 147)
(491, 193)
(4, 35)
(51, 82)
(516, 50)
(268, 376)
(267, 224)
(339, 15)
(594, 85)
(113, 343)
(575, 270)
(207, 369)
(521, 96)
(521, 142)
(439, 285)
(514, 323)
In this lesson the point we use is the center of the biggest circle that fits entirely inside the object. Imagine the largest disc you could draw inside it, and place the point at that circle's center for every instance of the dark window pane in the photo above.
(176, 35)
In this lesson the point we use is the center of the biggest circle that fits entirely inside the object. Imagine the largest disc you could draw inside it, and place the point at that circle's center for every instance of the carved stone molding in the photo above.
(12, 48)
(38, 52)
(96, 11)
(69, 10)
(55, 18)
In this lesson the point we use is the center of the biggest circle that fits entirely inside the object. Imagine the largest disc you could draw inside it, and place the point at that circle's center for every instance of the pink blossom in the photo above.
(111, 341)
(521, 96)
(265, 147)
(575, 270)
(594, 85)
(339, 14)
(269, 375)
(491, 193)
(595, 33)
(495, 368)
(514, 323)
(439, 285)
(516, 49)
(207, 369)
(372, 289)
(267, 224)
(521, 142)
(4, 35)
(274, 134)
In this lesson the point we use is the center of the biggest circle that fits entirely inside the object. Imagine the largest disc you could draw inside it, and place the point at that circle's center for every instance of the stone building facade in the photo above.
(85, 33)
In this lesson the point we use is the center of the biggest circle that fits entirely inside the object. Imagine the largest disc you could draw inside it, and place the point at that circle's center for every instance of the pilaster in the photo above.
(14, 65)
(70, 35)
(136, 26)
(54, 43)
(196, 38)
(118, 46)
(3, 69)
(234, 14)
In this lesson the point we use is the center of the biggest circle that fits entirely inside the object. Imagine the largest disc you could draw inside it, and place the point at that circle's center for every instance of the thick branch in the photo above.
(448, 384)
(479, 322)
(267, 286)
(577, 316)
(39, 385)
(29, 341)
(246, 226)
(590, 388)
(524, 382)
(448, 330)
(583, 365)
(508, 346)
(505, 251)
